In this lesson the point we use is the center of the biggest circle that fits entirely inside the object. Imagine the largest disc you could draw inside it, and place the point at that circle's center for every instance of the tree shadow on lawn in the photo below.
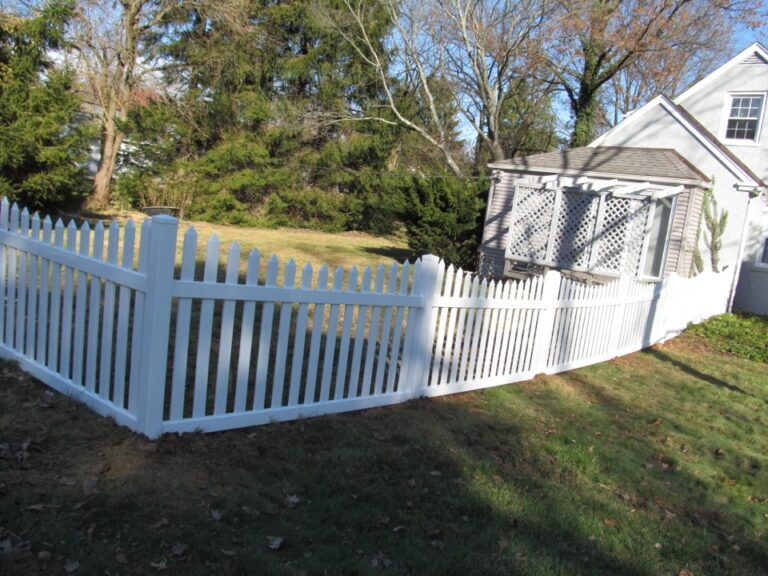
(501, 482)
(691, 371)
(397, 254)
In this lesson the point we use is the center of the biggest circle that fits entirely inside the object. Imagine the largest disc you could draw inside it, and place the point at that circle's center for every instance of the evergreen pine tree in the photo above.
(41, 147)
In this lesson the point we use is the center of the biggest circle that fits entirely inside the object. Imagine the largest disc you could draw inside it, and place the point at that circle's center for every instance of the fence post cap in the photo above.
(164, 219)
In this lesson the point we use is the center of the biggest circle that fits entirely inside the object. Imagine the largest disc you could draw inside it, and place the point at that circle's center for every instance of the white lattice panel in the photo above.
(621, 236)
(529, 231)
(575, 228)
(638, 219)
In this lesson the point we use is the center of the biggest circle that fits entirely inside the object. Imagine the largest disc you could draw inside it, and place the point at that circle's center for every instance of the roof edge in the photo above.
(607, 175)
(704, 136)
(722, 69)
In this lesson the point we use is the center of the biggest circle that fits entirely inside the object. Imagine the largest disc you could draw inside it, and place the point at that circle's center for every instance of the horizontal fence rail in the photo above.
(104, 314)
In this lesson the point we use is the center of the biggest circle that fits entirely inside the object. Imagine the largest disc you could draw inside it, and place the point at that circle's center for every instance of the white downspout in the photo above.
(742, 243)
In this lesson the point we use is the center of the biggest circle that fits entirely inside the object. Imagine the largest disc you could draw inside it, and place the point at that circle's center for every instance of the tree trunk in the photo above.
(109, 148)
(584, 126)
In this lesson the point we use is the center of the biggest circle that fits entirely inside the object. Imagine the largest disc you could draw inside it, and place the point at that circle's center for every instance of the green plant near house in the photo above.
(715, 220)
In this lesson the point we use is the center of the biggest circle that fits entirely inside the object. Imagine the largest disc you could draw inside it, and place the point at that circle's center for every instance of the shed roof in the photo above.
(653, 164)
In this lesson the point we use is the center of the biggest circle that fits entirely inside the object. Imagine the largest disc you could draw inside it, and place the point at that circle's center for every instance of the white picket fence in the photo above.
(232, 346)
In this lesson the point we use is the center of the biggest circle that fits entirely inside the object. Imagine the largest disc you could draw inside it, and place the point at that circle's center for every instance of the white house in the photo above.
(631, 202)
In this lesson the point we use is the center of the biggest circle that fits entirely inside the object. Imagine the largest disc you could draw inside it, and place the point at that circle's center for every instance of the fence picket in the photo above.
(341, 366)
(53, 331)
(397, 336)
(42, 314)
(373, 337)
(299, 339)
(330, 340)
(138, 318)
(108, 311)
(123, 318)
(283, 336)
(32, 291)
(204, 333)
(265, 339)
(5, 279)
(354, 383)
(21, 311)
(386, 331)
(10, 302)
(94, 305)
(226, 333)
(66, 307)
(183, 327)
(442, 321)
(81, 308)
(318, 316)
(246, 335)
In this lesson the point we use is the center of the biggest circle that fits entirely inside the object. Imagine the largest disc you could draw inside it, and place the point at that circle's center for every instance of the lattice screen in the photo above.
(559, 227)
(574, 228)
(531, 222)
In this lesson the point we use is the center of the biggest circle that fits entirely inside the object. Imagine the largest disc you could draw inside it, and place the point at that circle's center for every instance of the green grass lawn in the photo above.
(652, 464)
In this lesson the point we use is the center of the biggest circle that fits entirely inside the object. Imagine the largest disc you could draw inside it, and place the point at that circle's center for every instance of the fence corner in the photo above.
(419, 341)
(156, 317)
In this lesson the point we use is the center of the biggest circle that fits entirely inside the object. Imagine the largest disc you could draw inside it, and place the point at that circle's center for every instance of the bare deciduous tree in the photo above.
(109, 39)
(474, 47)
(591, 42)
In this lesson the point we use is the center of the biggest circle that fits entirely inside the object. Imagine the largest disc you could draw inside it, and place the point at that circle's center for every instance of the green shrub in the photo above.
(445, 218)
(742, 335)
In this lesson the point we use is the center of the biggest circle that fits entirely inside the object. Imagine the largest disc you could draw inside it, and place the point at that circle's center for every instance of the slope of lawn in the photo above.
(318, 248)
(652, 464)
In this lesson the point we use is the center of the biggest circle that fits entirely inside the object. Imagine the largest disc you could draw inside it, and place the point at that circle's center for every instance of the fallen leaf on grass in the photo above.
(274, 542)
(160, 564)
(229, 553)
(89, 487)
(291, 500)
(610, 522)
(216, 514)
(6, 546)
(503, 543)
(159, 523)
(71, 566)
(121, 558)
(685, 572)
(178, 549)
(36, 507)
(719, 453)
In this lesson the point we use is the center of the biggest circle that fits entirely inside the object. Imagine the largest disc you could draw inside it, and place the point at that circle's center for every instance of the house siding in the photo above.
(496, 230)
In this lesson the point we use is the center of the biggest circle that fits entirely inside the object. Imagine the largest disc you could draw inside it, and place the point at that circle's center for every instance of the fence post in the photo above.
(420, 332)
(156, 320)
(617, 321)
(543, 335)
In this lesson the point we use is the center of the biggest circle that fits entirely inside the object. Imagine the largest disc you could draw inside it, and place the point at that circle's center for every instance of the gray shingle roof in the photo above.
(640, 163)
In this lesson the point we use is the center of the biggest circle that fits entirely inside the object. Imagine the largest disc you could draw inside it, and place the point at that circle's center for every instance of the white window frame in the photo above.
(727, 104)
(762, 251)
(647, 239)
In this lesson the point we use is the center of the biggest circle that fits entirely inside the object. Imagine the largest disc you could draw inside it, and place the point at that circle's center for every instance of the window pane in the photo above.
(741, 129)
(744, 117)
(764, 256)
(654, 256)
